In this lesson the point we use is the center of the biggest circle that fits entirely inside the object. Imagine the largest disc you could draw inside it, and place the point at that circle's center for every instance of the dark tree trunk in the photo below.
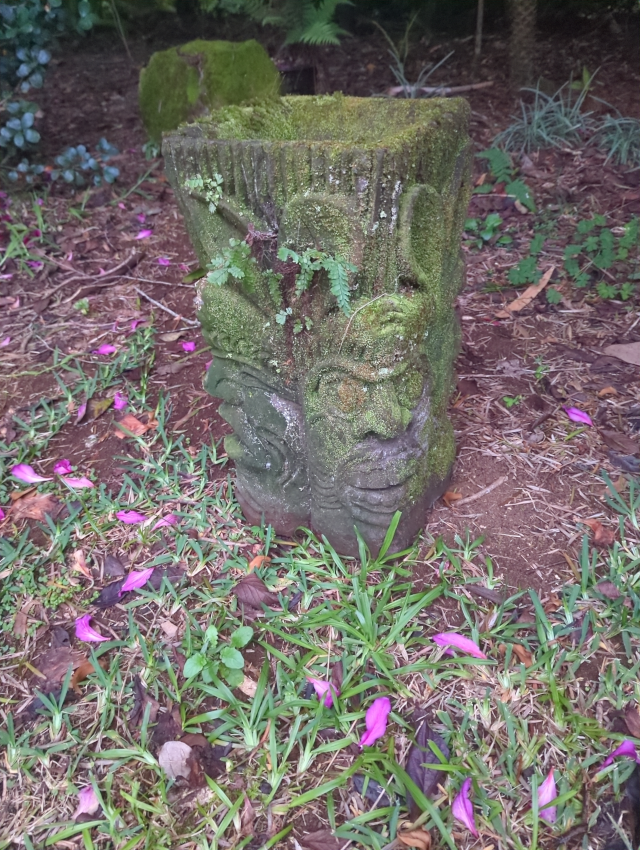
(522, 42)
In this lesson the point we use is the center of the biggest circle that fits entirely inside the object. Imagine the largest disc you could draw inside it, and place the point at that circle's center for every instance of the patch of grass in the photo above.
(547, 122)
(620, 138)
(557, 664)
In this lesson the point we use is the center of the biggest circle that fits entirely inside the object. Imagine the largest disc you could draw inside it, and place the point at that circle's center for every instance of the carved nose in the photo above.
(385, 416)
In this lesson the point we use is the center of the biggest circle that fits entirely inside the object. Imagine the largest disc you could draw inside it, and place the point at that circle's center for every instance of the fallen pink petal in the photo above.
(376, 721)
(5, 342)
(577, 415)
(131, 517)
(627, 749)
(207, 364)
(546, 794)
(183, 267)
(81, 411)
(26, 473)
(2, 515)
(88, 803)
(85, 632)
(135, 323)
(458, 641)
(188, 346)
(105, 349)
(144, 234)
(120, 401)
(169, 519)
(462, 808)
(325, 691)
(122, 206)
(79, 483)
(135, 580)
(141, 218)
(163, 261)
(62, 467)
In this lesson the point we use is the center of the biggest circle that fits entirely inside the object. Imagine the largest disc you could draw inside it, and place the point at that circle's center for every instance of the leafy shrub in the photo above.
(549, 121)
(502, 169)
(599, 249)
(620, 137)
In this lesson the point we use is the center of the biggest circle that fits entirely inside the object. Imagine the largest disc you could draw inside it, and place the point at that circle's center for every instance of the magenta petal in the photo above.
(188, 346)
(105, 349)
(460, 642)
(324, 691)
(88, 803)
(462, 808)
(136, 322)
(144, 234)
(26, 473)
(85, 632)
(163, 261)
(81, 411)
(141, 218)
(576, 415)
(135, 580)
(120, 401)
(2, 515)
(5, 342)
(376, 721)
(169, 519)
(207, 364)
(627, 748)
(131, 517)
(62, 467)
(546, 793)
(79, 483)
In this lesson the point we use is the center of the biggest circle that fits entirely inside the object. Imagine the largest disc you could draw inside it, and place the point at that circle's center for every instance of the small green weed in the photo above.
(604, 256)
(502, 169)
(483, 231)
(511, 401)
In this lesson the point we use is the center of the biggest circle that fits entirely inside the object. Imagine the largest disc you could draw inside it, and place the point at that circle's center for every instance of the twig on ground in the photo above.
(166, 309)
(481, 493)
(440, 91)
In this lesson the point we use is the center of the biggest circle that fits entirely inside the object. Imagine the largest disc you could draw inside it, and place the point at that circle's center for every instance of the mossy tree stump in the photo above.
(338, 411)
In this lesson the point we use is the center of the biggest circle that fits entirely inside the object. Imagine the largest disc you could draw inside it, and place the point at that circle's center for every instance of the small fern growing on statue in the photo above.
(232, 263)
(312, 261)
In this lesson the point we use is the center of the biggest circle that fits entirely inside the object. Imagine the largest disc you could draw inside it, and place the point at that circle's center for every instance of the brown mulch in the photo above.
(531, 521)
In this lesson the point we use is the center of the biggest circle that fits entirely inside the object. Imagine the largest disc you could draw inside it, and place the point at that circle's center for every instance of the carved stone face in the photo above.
(267, 445)
(339, 418)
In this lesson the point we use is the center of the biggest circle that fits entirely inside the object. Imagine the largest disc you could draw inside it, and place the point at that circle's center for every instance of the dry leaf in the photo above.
(524, 656)
(628, 353)
(135, 426)
(252, 591)
(248, 687)
(608, 589)
(601, 536)
(451, 496)
(36, 507)
(606, 391)
(418, 760)
(419, 838)
(113, 567)
(247, 817)
(173, 759)
(323, 839)
(632, 719)
(20, 624)
(97, 406)
(79, 563)
(170, 629)
(620, 442)
(80, 674)
(171, 336)
(527, 296)
(141, 700)
(259, 561)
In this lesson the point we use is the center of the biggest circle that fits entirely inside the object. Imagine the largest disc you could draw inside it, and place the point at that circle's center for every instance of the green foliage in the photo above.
(525, 272)
(210, 187)
(511, 401)
(231, 263)
(502, 169)
(549, 121)
(219, 659)
(620, 137)
(304, 21)
(554, 296)
(597, 248)
(312, 261)
(485, 230)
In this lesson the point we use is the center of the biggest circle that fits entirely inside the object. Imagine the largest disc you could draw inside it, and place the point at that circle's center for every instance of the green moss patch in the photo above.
(185, 82)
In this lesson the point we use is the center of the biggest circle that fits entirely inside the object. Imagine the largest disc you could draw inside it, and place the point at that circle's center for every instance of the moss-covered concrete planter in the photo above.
(339, 415)
(182, 83)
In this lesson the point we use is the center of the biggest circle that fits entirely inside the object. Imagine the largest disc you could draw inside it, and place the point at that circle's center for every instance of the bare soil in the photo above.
(552, 475)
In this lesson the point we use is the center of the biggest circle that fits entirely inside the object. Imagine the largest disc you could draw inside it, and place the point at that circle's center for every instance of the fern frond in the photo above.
(337, 270)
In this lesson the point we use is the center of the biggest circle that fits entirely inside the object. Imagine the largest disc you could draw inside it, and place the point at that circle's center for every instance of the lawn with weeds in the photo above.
(218, 692)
